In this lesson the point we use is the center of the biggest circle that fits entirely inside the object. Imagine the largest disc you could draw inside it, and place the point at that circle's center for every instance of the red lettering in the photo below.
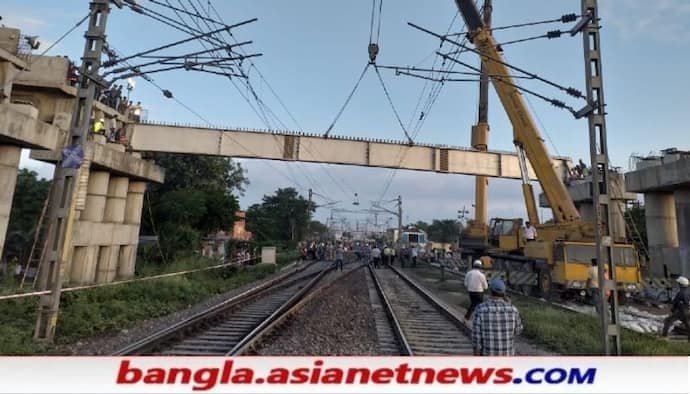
(382, 376)
(243, 376)
(154, 376)
(475, 375)
(205, 379)
(400, 373)
(300, 376)
(278, 376)
(352, 373)
(127, 375)
(185, 372)
(227, 370)
(332, 376)
(417, 372)
(447, 375)
(503, 376)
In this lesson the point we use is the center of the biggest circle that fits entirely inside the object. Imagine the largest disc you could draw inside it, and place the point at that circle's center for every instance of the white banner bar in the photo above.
(345, 375)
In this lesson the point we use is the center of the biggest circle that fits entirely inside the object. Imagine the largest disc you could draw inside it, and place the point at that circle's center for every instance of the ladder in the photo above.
(634, 234)
(38, 247)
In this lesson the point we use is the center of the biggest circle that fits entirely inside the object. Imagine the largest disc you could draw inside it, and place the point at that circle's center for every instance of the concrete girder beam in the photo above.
(334, 150)
(19, 126)
(111, 157)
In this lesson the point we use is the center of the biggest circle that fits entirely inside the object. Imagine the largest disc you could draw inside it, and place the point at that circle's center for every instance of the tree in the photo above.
(637, 213)
(197, 198)
(318, 230)
(443, 231)
(29, 196)
(421, 225)
(280, 218)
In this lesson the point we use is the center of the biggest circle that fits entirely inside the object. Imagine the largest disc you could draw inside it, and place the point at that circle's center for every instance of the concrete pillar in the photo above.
(9, 162)
(135, 202)
(108, 257)
(126, 261)
(84, 265)
(133, 208)
(660, 216)
(96, 196)
(662, 233)
(116, 200)
(682, 200)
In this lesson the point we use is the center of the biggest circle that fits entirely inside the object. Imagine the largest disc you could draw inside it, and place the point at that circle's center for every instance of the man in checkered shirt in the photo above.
(496, 323)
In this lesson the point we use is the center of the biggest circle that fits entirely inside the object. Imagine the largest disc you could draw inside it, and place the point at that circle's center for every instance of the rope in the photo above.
(390, 101)
(347, 101)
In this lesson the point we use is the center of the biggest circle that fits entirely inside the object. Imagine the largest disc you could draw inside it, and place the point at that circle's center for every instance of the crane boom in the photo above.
(525, 133)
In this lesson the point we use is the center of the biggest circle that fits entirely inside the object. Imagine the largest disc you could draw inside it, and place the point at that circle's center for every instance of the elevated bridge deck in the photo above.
(312, 148)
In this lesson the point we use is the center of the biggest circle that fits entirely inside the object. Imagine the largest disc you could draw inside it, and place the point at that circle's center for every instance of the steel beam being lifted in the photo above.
(288, 146)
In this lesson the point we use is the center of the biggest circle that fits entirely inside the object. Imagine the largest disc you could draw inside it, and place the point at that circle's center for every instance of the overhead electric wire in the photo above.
(261, 103)
(555, 102)
(566, 18)
(267, 111)
(68, 32)
(571, 91)
(252, 65)
(428, 105)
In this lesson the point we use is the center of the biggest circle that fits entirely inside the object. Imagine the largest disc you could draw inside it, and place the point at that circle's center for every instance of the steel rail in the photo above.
(151, 341)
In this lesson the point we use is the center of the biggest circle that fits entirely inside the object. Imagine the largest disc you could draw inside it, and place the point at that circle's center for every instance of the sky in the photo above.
(313, 51)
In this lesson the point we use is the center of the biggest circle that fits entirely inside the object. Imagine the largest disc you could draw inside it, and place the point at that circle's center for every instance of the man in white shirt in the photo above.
(376, 256)
(475, 282)
(530, 232)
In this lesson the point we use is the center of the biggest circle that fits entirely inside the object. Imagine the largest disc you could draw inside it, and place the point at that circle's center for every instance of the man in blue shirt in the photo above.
(496, 324)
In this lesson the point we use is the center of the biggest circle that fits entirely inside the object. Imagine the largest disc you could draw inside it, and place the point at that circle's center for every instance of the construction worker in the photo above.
(475, 283)
(593, 284)
(530, 232)
(99, 126)
(339, 256)
(679, 308)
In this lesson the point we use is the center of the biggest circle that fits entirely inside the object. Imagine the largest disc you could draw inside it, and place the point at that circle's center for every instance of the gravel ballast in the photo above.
(339, 322)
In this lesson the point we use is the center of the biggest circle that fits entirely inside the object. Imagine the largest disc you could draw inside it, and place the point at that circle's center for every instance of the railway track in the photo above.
(224, 328)
(421, 324)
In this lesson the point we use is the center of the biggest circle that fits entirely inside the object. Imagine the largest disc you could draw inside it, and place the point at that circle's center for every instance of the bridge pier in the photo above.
(9, 163)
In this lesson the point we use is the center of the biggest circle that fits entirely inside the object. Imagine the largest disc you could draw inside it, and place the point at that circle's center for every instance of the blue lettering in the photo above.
(576, 376)
(556, 375)
(528, 376)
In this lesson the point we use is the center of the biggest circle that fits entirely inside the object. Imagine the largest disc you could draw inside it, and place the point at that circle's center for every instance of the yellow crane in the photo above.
(559, 259)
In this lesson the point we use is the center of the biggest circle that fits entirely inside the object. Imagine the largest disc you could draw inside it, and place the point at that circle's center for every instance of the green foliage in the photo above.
(445, 230)
(318, 230)
(29, 196)
(637, 213)
(280, 218)
(107, 310)
(196, 199)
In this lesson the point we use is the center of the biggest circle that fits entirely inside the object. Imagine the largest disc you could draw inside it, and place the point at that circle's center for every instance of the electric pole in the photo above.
(67, 172)
(598, 148)
(309, 215)
(400, 213)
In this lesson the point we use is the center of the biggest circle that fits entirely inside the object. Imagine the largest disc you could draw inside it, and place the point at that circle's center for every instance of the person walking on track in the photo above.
(496, 324)
(475, 283)
(339, 254)
(680, 308)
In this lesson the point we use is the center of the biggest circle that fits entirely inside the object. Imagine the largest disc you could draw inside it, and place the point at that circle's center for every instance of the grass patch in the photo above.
(580, 334)
(569, 332)
(107, 310)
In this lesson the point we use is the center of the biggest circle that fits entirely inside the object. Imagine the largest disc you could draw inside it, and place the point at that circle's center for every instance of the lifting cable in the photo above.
(395, 111)
(373, 49)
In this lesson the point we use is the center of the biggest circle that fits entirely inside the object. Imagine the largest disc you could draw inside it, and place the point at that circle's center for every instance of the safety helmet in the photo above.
(477, 263)
(683, 281)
